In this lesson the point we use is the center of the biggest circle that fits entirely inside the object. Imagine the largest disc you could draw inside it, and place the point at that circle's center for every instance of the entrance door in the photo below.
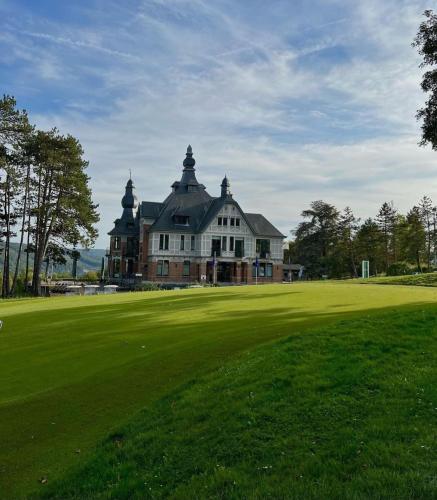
(224, 271)
(244, 272)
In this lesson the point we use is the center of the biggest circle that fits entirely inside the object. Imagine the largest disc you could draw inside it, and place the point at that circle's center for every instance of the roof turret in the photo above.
(129, 199)
(226, 187)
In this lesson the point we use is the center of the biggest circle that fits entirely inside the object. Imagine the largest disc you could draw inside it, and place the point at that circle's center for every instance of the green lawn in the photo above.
(73, 370)
(425, 279)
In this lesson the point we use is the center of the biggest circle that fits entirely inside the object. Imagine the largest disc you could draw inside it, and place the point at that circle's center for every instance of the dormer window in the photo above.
(181, 220)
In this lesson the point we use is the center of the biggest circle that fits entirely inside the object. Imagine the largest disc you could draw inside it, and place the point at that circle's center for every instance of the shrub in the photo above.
(398, 268)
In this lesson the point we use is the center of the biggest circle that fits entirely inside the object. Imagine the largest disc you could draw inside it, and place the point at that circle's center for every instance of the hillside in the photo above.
(90, 260)
(76, 369)
(425, 279)
(346, 411)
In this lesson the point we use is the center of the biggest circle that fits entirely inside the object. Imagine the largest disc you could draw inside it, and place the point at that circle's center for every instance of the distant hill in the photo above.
(90, 260)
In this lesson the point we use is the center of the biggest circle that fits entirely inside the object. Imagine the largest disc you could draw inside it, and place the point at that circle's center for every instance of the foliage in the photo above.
(44, 191)
(333, 243)
(398, 268)
(90, 276)
(428, 279)
(426, 43)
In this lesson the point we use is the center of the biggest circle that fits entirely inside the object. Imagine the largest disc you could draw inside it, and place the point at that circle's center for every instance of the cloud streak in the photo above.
(299, 103)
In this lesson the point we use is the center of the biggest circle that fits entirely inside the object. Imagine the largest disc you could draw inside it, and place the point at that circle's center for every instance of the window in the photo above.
(215, 246)
(263, 248)
(231, 243)
(232, 221)
(163, 241)
(237, 222)
(186, 270)
(181, 219)
(116, 267)
(220, 221)
(182, 247)
(193, 242)
(131, 247)
(225, 221)
(117, 243)
(265, 270)
(162, 269)
(239, 248)
(224, 243)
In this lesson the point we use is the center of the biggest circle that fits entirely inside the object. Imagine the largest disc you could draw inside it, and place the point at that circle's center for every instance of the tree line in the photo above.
(45, 198)
(333, 243)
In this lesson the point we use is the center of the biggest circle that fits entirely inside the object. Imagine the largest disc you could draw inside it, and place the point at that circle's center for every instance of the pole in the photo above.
(214, 269)
(256, 270)
(289, 271)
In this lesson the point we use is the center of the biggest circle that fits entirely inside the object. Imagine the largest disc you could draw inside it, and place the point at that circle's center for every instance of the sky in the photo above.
(294, 101)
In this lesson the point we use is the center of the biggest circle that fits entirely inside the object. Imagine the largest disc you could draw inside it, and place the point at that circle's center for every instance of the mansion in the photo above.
(193, 237)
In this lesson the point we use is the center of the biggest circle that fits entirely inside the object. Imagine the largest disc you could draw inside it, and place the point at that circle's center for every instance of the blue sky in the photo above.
(293, 100)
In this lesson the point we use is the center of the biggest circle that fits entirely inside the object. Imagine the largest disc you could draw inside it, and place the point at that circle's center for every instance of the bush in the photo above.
(398, 268)
(147, 287)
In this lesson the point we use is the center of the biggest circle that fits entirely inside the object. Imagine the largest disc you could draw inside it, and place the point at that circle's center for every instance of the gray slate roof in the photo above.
(262, 227)
(189, 198)
(150, 209)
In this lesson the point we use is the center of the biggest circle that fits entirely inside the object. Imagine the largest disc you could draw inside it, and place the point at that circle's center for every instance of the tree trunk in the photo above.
(26, 276)
(7, 205)
(23, 222)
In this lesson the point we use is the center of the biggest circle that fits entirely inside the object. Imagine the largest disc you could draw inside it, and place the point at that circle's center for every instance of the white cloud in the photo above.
(253, 104)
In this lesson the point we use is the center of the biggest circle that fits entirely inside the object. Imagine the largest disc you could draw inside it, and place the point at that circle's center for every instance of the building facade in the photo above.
(193, 237)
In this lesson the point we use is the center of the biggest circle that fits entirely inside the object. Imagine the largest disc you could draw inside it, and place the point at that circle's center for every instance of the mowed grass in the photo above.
(346, 411)
(73, 370)
(425, 279)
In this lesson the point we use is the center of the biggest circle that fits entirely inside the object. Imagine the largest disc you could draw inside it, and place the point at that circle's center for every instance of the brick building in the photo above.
(193, 237)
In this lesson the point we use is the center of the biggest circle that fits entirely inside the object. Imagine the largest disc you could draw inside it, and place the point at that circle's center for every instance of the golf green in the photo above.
(74, 369)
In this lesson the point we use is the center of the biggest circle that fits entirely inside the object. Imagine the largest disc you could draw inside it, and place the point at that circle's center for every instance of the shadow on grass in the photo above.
(84, 411)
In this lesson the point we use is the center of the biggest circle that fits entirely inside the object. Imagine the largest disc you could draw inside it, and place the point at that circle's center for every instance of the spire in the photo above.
(189, 161)
(129, 199)
(226, 187)
(188, 175)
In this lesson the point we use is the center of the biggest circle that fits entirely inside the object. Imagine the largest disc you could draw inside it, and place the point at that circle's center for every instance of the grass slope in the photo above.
(73, 369)
(426, 279)
(344, 411)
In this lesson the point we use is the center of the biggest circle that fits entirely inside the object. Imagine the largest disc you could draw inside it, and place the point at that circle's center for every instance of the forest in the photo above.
(46, 207)
(332, 243)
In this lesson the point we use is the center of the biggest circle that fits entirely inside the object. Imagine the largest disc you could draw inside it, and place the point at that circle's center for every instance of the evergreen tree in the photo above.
(316, 239)
(349, 225)
(386, 220)
(426, 43)
(64, 213)
(368, 242)
(415, 237)
(14, 132)
(427, 216)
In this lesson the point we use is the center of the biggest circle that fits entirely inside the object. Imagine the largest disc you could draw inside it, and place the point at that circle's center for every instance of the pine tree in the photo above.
(427, 216)
(349, 225)
(386, 220)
